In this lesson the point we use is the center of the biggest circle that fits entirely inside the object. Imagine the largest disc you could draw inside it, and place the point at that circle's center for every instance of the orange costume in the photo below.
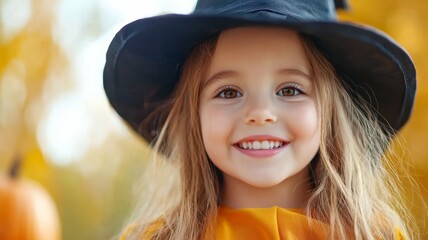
(272, 223)
(268, 223)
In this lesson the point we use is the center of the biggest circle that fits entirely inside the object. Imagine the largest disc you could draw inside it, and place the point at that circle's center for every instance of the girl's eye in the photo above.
(228, 92)
(289, 91)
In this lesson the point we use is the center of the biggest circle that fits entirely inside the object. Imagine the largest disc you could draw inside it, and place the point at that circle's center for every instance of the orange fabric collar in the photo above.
(268, 223)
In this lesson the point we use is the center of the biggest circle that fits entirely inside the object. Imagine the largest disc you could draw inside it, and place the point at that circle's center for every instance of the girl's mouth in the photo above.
(260, 145)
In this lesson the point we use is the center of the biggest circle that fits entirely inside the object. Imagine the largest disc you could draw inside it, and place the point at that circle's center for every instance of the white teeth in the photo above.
(265, 145)
(256, 145)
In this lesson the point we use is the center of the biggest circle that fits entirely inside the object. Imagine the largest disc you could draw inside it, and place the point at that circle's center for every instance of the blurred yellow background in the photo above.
(54, 114)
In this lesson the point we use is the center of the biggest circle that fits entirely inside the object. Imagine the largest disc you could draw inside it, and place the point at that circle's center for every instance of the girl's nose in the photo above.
(260, 112)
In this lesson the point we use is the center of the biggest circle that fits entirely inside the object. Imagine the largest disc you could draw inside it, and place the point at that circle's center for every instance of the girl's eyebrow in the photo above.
(294, 71)
(220, 75)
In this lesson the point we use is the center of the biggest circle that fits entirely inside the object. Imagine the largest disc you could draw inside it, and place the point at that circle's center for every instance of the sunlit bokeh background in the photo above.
(55, 116)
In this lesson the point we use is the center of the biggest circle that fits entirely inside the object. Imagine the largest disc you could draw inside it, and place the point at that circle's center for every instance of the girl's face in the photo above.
(258, 113)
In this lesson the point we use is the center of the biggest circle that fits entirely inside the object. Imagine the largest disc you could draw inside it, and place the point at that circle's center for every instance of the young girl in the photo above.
(268, 119)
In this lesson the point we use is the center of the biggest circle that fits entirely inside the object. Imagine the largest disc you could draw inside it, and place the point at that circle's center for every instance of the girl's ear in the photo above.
(341, 4)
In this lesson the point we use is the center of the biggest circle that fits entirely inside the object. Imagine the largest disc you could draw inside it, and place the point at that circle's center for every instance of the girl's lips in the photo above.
(261, 153)
(251, 145)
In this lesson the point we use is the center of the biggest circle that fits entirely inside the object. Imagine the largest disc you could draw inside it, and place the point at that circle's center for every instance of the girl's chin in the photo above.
(262, 181)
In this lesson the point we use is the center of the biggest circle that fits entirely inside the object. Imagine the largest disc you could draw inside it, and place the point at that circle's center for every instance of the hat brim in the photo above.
(145, 58)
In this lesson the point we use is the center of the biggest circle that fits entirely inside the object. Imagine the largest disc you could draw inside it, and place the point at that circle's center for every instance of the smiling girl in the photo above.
(258, 117)
(268, 120)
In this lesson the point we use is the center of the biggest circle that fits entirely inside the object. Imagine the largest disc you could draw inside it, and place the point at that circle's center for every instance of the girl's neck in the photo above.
(291, 193)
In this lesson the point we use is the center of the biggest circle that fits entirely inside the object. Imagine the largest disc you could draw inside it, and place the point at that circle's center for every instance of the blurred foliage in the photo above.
(93, 192)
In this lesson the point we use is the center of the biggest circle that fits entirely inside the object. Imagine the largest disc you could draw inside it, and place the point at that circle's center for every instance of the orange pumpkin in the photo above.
(26, 210)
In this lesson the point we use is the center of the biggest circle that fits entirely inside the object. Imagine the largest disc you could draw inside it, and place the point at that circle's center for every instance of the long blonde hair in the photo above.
(355, 193)
(352, 192)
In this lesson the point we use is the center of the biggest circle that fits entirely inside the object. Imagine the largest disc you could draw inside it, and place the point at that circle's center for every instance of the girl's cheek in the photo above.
(302, 119)
(219, 113)
(218, 123)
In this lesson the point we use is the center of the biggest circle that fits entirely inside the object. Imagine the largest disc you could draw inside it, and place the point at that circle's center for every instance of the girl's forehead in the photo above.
(266, 47)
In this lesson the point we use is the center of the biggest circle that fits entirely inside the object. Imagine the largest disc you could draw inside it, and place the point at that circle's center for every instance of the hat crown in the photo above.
(298, 9)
